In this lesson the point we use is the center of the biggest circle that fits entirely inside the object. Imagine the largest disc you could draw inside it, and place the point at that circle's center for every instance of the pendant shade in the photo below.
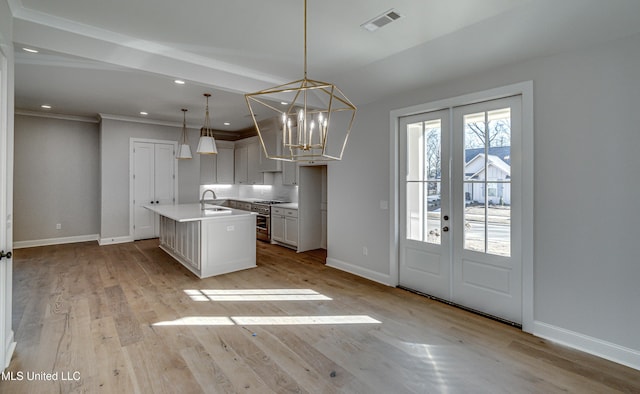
(207, 144)
(184, 150)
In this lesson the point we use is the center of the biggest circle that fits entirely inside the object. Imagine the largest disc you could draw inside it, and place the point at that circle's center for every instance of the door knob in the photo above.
(445, 229)
(7, 255)
(446, 217)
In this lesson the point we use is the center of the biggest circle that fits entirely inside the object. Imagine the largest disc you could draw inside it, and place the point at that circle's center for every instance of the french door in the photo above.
(460, 202)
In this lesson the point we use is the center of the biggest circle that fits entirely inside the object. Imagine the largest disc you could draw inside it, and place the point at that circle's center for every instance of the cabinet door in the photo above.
(254, 176)
(277, 228)
(208, 169)
(272, 138)
(224, 165)
(291, 230)
(289, 173)
(241, 165)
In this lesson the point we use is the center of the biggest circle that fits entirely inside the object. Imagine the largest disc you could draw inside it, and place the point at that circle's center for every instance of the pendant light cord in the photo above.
(305, 39)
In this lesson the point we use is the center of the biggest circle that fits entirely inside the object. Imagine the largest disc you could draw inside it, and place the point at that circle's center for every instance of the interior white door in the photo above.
(460, 222)
(144, 193)
(425, 263)
(487, 179)
(153, 183)
(7, 344)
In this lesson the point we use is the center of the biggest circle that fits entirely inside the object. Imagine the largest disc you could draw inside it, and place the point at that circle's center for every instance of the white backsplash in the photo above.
(274, 190)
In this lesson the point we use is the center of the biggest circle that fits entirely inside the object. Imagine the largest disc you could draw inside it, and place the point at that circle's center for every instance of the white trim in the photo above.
(525, 89)
(607, 350)
(360, 271)
(75, 118)
(114, 240)
(134, 119)
(55, 241)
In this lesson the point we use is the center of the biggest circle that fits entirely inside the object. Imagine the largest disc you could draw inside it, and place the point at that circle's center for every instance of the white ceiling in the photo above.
(120, 57)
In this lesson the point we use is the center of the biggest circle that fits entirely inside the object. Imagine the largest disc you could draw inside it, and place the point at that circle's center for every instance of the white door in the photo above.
(425, 263)
(473, 257)
(153, 183)
(7, 343)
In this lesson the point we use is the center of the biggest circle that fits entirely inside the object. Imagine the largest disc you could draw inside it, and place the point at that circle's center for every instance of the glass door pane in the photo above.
(424, 181)
(487, 182)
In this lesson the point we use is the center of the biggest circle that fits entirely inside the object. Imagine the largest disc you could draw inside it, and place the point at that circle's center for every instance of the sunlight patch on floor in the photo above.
(256, 295)
(268, 320)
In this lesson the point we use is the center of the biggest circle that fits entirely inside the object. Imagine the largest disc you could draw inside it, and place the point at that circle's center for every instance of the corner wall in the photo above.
(586, 215)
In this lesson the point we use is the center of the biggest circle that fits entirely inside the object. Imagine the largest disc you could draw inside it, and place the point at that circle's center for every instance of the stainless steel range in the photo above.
(263, 220)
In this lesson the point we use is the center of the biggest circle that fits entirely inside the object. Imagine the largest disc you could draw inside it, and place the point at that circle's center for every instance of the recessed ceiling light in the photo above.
(179, 82)
(45, 106)
(30, 50)
(227, 124)
(144, 113)
(283, 102)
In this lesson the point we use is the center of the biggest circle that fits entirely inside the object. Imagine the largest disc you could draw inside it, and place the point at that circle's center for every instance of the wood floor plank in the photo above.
(130, 319)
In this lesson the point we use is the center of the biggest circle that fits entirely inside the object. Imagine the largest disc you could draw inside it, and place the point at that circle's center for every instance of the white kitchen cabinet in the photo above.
(291, 230)
(289, 173)
(247, 162)
(254, 175)
(153, 182)
(240, 161)
(272, 138)
(225, 165)
(218, 168)
(284, 226)
(277, 227)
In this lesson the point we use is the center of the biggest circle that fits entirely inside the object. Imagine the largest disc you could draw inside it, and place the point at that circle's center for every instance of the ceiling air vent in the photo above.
(381, 20)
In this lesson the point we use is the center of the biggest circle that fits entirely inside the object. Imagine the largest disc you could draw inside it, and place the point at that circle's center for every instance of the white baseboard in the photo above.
(115, 240)
(54, 241)
(585, 343)
(360, 271)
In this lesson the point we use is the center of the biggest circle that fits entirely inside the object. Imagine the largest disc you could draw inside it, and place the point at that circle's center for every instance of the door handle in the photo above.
(445, 229)
(7, 255)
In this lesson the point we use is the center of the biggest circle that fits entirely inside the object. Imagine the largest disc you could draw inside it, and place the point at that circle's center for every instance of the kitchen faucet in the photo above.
(202, 198)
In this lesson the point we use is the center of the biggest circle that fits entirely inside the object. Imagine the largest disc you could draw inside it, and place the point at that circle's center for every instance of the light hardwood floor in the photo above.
(128, 319)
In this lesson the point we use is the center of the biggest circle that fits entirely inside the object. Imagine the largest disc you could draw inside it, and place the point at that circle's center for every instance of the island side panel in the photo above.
(228, 244)
(181, 240)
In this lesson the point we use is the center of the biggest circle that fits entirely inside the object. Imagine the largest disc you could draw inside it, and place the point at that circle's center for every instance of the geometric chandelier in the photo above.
(314, 118)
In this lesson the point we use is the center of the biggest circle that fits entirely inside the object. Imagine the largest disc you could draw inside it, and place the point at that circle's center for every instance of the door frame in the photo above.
(132, 142)
(7, 339)
(524, 89)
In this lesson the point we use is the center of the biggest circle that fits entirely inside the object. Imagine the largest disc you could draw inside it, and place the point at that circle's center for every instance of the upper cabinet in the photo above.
(247, 162)
(289, 173)
(218, 168)
(272, 138)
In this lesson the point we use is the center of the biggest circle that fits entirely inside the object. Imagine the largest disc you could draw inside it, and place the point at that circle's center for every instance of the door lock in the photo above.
(7, 255)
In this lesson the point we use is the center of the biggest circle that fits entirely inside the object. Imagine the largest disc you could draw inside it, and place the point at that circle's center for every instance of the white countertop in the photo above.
(193, 212)
(286, 205)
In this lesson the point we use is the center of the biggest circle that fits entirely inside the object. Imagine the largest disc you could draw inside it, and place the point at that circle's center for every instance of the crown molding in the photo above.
(75, 118)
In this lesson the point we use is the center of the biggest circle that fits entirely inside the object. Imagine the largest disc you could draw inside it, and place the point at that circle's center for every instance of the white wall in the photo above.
(586, 212)
(114, 187)
(56, 173)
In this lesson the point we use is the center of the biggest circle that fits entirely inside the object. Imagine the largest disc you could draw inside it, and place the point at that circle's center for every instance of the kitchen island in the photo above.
(211, 241)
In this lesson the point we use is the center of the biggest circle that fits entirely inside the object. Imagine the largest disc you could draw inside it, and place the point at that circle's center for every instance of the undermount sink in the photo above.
(216, 211)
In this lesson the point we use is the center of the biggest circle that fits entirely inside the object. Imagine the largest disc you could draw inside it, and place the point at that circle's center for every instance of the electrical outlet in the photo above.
(58, 226)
